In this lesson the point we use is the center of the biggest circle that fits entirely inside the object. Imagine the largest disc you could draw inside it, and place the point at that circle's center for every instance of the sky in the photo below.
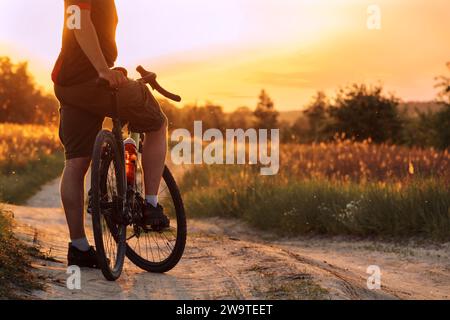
(226, 51)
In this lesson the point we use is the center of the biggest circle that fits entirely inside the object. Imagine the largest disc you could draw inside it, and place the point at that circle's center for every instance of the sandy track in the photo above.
(225, 260)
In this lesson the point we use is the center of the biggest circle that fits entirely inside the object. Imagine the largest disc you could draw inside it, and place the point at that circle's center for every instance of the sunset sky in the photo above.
(226, 51)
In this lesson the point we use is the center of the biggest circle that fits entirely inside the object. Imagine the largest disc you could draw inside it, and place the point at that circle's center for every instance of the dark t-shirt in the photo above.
(73, 66)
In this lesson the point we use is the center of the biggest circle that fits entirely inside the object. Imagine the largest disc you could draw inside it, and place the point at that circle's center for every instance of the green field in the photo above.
(389, 200)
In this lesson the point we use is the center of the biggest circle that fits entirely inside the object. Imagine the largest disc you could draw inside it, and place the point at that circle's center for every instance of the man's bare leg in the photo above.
(72, 195)
(153, 159)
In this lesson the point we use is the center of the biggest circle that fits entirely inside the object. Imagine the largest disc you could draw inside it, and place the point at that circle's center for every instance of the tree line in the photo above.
(21, 101)
(357, 112)
(362, 112)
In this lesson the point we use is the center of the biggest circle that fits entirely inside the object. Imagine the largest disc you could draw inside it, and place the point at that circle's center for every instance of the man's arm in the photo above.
(87, 38)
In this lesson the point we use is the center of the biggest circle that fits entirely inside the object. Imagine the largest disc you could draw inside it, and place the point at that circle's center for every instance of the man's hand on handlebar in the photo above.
(114, 77)
(118, 76)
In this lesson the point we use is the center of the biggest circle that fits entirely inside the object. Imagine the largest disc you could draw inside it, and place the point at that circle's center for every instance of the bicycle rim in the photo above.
(107, 200)
(160, 251)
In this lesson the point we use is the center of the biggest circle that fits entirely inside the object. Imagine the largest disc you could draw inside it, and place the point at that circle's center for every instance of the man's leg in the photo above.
(72, 195)
(79, 127)
(144, 114)
(153, 161)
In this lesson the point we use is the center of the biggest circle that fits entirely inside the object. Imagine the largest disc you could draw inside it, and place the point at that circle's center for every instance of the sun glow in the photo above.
(226, 51)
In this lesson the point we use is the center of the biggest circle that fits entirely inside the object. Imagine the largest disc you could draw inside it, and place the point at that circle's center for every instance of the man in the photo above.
(88, 52)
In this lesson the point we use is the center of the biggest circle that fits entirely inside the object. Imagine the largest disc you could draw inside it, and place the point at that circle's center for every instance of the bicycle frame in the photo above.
(117, 132)
(127, 199)
(147, 78)
(127, 203)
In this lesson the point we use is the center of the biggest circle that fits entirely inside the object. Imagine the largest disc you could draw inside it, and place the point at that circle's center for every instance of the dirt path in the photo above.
(225, 260)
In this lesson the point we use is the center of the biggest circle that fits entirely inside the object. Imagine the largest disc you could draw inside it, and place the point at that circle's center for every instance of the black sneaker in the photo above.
(88, 259)
(155, 217)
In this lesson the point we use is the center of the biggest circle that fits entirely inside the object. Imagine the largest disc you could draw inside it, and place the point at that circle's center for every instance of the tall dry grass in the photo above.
(20, 144)
(346, 160)
(30, 155)
(339, 188)
(15, 264)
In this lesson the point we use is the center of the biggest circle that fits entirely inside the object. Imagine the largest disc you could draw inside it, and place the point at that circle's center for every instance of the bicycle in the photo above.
(117, 201)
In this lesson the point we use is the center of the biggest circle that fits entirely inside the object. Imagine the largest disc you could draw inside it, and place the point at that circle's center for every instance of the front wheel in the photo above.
(107, 199)
(160, 251)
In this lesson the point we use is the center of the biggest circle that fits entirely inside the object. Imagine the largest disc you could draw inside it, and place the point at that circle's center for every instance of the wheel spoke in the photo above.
(109, 191)
(156, 247)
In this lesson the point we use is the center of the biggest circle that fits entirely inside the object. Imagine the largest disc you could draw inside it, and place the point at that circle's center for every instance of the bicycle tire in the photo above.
(105, 153)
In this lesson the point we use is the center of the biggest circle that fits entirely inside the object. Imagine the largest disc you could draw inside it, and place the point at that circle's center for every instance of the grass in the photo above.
(15, 266)
(346, 160)
(342, 187)
(19, 182)
(30, 156)
(20, 144)
(292, 207)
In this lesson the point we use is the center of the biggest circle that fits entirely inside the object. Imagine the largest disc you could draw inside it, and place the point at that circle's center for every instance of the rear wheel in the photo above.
(155, 251)
(108, 194)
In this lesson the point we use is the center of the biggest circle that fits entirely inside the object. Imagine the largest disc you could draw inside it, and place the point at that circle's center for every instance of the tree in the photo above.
(442, 117)
(419, 130)
(299, 130)
(316, 115)
(20, 100)
(442, 125)
(363, 112)
(241, 118)
(444, 85)
(213, 117)
(172, 113)
(265, 113)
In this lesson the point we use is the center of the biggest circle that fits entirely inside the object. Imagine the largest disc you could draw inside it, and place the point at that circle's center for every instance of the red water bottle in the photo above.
(131, 156)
